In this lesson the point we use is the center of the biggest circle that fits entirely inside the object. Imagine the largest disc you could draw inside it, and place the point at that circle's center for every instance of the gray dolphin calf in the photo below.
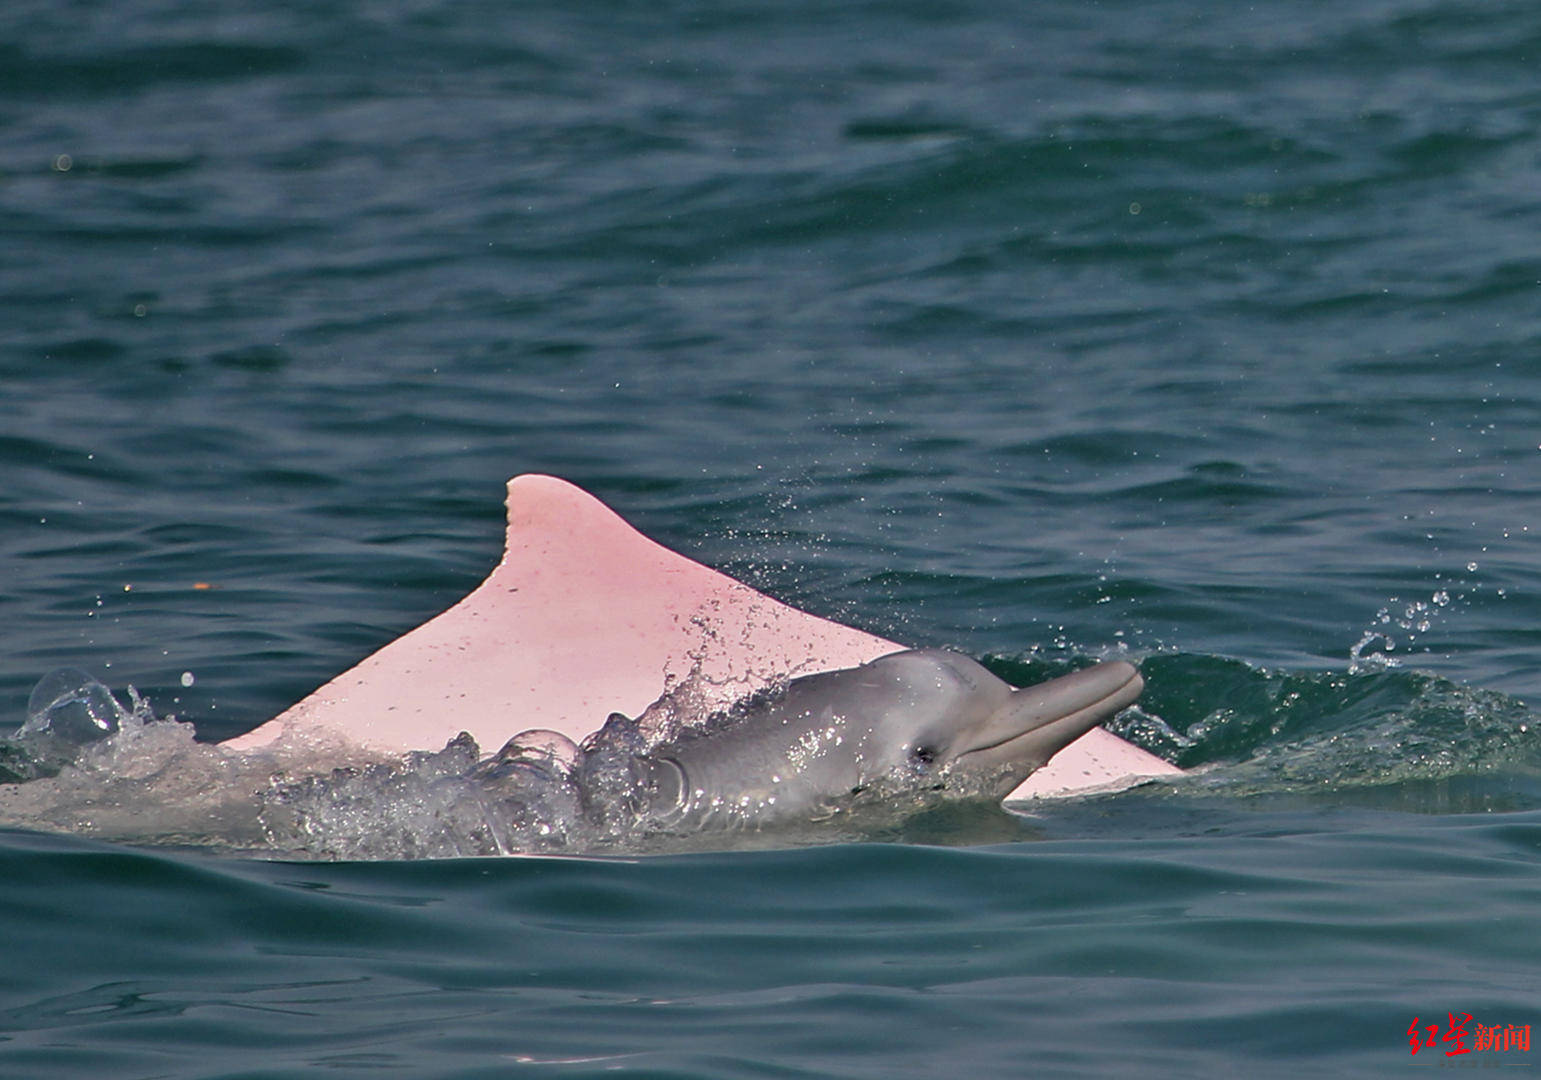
(898, 728)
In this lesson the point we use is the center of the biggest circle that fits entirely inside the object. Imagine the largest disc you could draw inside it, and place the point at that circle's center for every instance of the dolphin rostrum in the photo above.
(906, 724)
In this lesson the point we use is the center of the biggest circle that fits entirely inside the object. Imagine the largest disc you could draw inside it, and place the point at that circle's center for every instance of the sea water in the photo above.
(1203, 335)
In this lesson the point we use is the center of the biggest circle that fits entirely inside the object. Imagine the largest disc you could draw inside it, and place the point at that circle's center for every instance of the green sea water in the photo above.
(1206, 335)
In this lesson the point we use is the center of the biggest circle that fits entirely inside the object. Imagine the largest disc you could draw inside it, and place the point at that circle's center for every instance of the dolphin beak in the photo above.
(1040, 721)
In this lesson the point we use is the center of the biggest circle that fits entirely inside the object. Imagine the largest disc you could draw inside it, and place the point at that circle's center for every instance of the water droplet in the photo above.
(187, 678)
(71, 704)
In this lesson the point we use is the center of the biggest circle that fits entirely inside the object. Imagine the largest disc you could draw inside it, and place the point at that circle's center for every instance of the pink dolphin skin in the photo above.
(585, 616)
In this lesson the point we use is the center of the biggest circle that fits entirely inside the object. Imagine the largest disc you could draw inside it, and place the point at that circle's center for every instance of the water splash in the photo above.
(71, 705)
(1400, 623)
(68, 711)
(1243, 731)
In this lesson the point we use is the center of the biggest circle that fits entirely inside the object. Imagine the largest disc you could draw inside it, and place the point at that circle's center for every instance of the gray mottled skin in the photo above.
(910, 722)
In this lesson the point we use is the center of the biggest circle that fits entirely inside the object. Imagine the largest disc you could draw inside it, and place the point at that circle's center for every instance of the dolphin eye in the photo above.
(923, 755)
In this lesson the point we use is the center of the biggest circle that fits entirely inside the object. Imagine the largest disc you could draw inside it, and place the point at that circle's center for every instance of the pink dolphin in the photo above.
(585, 616)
